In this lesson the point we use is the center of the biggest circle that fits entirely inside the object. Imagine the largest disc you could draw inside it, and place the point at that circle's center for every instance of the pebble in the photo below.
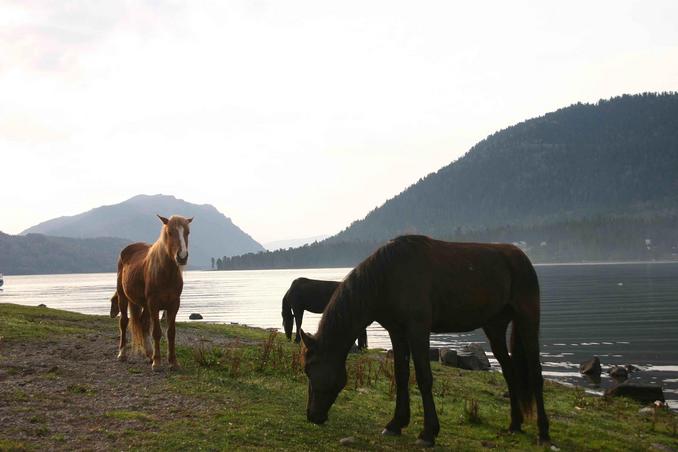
(347, 441)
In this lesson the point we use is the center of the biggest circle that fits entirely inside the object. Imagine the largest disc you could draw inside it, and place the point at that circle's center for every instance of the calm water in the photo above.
(623, 313)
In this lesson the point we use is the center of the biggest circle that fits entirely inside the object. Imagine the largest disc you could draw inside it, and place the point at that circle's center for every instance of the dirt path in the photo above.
(70, 393)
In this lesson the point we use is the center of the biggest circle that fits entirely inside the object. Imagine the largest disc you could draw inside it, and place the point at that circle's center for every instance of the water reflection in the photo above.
(624, 314)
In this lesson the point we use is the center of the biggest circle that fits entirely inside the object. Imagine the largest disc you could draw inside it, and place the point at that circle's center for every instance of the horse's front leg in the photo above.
(401, 369)
(419, 345)
(298, 317)
(157, 333)
(171, 334)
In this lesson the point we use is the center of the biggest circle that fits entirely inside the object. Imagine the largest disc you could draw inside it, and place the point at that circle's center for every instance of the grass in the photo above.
(256, 390)
(25, 322)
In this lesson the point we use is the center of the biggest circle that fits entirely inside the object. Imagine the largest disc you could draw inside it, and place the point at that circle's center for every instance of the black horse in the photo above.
(414, 286)
(309, 295)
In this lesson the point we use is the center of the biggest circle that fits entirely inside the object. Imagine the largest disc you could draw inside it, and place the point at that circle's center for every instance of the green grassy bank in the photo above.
(253, 390)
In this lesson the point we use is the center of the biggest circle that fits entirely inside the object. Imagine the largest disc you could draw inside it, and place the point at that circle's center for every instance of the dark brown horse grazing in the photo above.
(309, 295)
(413, 286)
(149, 280)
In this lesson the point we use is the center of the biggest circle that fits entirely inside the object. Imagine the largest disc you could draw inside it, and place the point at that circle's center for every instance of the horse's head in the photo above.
(326, 378)
(175, 237)
(288, 320)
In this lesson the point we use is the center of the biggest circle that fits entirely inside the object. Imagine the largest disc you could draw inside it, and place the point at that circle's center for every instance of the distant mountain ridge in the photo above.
(293, 243)
(212, 233)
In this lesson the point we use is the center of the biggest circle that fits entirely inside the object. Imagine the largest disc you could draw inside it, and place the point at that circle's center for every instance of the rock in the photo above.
(644, 393)
(591, 367)
(434, 354)
(647, 411)
(448, 357)
(472, 357)
(662, 447)
(42, 305)
(618, 372)
(195, 316)
(349, 440)
(631, 368)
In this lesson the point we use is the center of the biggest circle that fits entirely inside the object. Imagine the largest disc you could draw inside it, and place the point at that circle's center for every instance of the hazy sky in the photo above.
(293, 118)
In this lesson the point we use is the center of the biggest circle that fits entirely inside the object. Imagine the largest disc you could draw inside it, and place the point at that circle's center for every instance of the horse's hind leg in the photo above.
(419, 346)
(401, 367)
(156, 331)
(362, 340)
(496, 333)
(124, 321)
(527, 333)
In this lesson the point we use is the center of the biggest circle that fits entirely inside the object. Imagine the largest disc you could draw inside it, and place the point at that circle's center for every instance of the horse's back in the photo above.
(457, 285)
(134, 252)
(311, 294)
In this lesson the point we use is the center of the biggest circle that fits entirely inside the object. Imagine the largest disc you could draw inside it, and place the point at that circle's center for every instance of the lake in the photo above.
(623, 313)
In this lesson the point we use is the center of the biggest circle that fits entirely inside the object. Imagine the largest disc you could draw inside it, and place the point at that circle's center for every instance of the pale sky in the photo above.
(293, 118)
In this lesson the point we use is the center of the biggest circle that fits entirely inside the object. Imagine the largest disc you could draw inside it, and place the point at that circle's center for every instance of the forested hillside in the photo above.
(40, 254)
(591, 182)
(618, 156)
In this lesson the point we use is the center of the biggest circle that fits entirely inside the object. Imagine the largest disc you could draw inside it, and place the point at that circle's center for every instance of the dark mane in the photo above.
(349, 304)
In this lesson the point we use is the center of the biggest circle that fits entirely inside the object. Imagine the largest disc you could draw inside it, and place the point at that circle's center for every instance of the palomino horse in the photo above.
(311, 295)
(413, 286)
(149, 280)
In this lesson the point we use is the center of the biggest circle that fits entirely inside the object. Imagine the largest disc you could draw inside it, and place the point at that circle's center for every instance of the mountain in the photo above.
(610, 158)
(586, 182)
(212, 233)
(40, 254)
(292, 243)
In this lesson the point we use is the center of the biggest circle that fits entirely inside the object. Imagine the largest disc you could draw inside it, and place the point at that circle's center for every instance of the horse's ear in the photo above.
(163, 219)
(308, 340)
(189, 220)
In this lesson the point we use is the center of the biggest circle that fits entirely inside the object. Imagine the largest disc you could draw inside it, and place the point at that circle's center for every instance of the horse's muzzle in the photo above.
(315, 418)
(182, 261)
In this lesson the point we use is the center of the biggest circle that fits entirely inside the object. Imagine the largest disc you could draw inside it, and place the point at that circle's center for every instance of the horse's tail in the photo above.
(115, 306)
(287, 315)
(139, 327)
(525, 333)
(524, 385)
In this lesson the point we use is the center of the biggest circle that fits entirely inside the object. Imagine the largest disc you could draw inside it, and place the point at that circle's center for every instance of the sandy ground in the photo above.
(63, 394)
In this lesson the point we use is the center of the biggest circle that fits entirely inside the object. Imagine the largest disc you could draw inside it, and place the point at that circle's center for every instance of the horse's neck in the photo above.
(342, 324)
(159, 262)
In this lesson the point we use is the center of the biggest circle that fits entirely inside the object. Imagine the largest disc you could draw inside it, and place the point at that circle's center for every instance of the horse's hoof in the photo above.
(174, 367)
(387, 432)
(544, 442)
(423, 443)
(122, 358)
(156, 367)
